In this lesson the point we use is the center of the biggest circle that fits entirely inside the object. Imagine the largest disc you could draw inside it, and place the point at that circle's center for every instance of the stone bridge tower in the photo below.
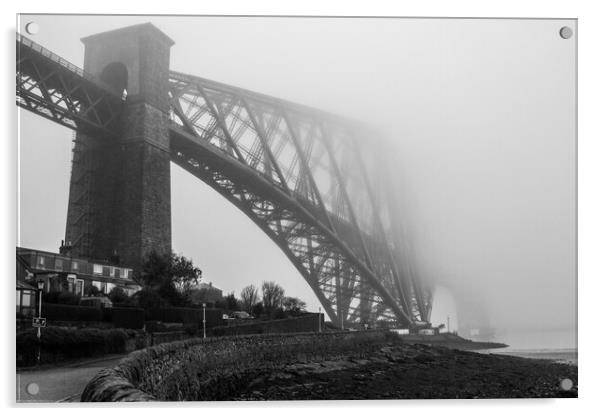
(119, 197)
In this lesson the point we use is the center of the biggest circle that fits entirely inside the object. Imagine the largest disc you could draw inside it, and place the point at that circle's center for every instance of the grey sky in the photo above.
(480, 112)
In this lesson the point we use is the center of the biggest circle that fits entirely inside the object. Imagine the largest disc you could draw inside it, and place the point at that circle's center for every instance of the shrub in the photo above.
(148, 299)
(51, 297)
(118, 295)
(92, 290)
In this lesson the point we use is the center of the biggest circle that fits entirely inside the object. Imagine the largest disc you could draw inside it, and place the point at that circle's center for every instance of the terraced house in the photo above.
(62, 272)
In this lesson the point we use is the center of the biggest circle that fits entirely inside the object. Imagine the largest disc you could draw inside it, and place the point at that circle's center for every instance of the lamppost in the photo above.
(40, 289)
(319, 319)
(204, 322)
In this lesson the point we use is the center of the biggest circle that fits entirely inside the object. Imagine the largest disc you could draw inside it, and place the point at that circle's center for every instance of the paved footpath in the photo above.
(60, 384)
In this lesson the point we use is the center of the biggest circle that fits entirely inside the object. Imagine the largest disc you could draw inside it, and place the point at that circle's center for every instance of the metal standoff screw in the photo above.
(32, 28)
(566, 32)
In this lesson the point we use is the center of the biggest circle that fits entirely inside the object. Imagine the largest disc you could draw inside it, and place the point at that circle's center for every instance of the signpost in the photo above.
(39, 322)
(204, 322)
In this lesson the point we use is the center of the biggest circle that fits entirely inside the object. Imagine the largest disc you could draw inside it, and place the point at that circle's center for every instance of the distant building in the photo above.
(61, 272)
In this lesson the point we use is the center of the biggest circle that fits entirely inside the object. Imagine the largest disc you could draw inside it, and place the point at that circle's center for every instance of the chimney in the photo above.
(65, 249)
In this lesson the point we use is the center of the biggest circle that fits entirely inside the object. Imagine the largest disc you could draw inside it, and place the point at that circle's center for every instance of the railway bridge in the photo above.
(317, 184)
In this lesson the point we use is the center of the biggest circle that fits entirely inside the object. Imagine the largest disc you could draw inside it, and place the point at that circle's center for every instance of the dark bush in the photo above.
(68, 298)
(92, 290)
(50, 297)
(193, 329)
(149, 300)
(132, 318)
(257, 309)
(118, 295)
(57, 312)
(280, 314)
(67, 343)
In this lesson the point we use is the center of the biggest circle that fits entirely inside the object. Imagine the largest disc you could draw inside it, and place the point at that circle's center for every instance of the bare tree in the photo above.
(273, 294)
(249, 296)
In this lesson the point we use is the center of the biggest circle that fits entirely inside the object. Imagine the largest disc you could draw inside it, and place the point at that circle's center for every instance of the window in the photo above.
(71, 284)
(58, 264)
(106, 270)
(79, 287)
(40, 261)
(74, 266)
(25, 298)
(103, 287)
(28, 298)
(117, 272)
(97, 269)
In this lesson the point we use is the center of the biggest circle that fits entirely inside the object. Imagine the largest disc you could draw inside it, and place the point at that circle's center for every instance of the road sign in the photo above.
(39, 322)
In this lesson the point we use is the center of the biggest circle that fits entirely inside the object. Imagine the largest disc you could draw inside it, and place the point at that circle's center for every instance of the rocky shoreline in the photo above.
(414, 371)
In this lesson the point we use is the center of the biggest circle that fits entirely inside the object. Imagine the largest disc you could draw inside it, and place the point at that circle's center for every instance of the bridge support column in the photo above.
(364, 304)
(120, 199)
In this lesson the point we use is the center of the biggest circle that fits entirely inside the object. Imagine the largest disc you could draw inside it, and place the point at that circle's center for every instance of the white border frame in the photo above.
(589, 172)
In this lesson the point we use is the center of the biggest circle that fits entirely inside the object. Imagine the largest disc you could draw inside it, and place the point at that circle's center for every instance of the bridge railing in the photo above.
(66, 64)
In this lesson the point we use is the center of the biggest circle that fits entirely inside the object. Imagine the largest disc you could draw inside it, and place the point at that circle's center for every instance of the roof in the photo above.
(21, 285)
(147, 28)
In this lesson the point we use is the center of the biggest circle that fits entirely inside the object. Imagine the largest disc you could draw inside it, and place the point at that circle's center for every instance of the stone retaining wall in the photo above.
(214, 368)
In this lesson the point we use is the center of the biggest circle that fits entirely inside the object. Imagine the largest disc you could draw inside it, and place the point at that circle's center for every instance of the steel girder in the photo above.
(58, 90)
(311, 182)
(308, 179)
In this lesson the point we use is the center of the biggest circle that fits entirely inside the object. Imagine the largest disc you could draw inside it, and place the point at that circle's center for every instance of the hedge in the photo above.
(59, 343)
(59, 312)
(186, 316)
(132, 318)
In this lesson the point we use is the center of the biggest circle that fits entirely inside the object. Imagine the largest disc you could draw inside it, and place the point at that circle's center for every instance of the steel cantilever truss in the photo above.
(316, 184)
(312, 182)
(56, 89)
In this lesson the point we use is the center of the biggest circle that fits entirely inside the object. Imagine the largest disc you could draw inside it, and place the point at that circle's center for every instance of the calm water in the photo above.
(566, 355)
(560, 346)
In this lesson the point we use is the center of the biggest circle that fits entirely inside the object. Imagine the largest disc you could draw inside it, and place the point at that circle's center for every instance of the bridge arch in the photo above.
(308, 179)
(310, 182)
(115, 75)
